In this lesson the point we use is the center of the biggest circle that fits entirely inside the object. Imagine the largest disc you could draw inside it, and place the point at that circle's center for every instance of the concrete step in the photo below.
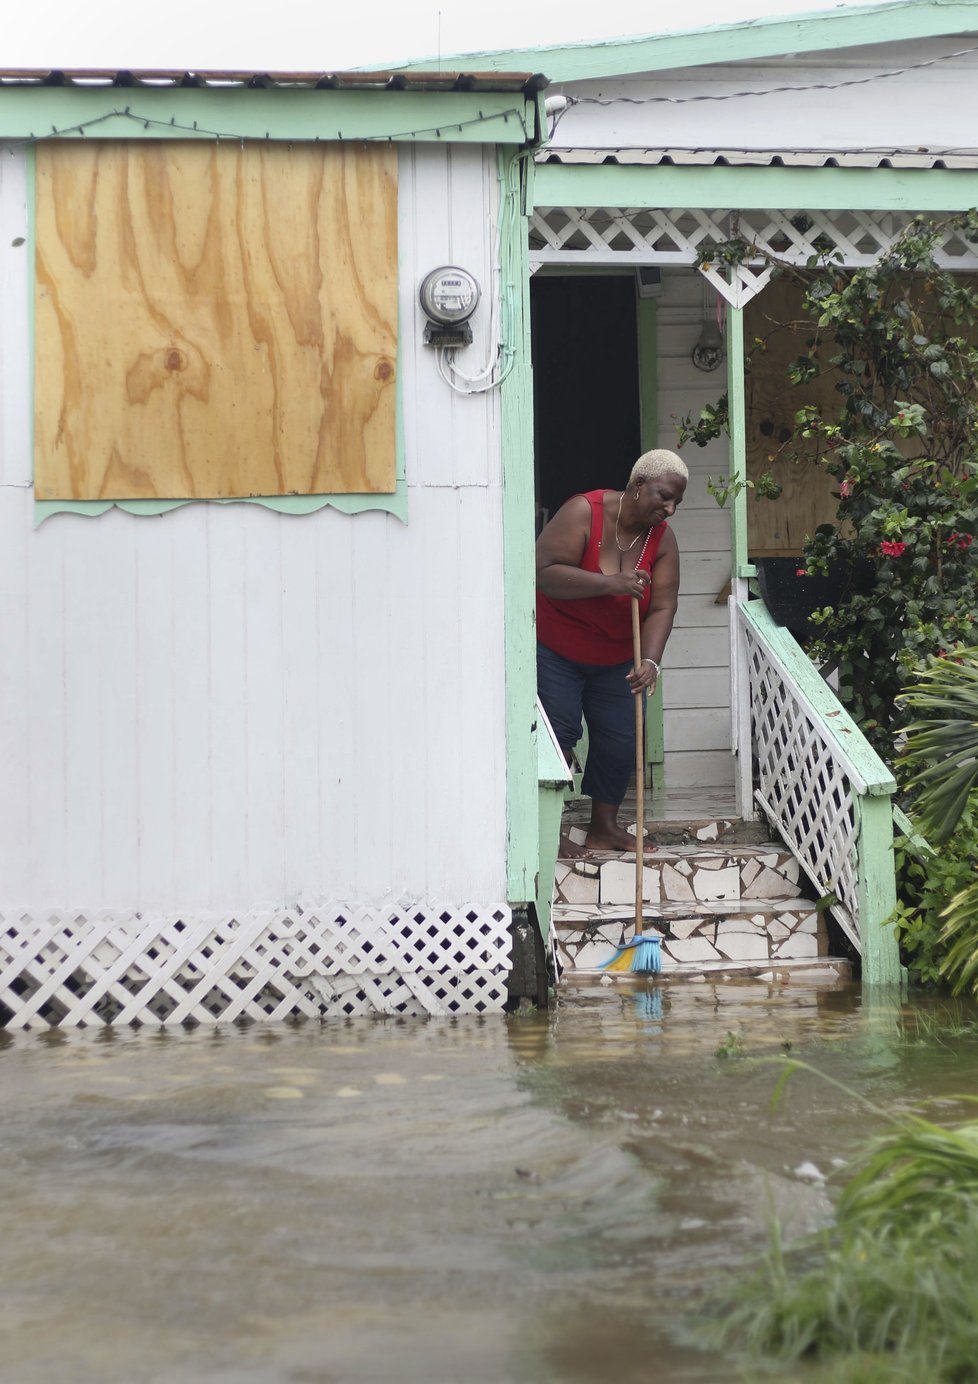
(698, 934)
(681, 874)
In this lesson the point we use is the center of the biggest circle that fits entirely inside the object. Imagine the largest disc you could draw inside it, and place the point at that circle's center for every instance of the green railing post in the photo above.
(876, 891)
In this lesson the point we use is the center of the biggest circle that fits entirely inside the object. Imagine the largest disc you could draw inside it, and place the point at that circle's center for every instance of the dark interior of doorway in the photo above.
(587, 418)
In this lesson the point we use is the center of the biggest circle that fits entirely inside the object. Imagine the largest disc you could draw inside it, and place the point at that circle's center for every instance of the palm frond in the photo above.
(941, 749)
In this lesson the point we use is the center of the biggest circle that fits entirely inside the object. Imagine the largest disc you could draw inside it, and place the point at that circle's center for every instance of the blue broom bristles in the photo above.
(642, 955)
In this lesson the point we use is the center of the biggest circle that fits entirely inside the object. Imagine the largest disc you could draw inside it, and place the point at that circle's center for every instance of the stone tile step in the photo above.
(779, 930)
(816, 971)
(680, 874)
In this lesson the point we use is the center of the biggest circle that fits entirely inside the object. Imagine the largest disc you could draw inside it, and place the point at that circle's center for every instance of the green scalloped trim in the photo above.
(395, 504)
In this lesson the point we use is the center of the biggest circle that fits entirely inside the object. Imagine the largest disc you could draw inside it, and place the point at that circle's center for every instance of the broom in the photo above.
(642, 954)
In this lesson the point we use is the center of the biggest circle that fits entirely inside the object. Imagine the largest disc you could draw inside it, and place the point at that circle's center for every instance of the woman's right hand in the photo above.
(634, 583)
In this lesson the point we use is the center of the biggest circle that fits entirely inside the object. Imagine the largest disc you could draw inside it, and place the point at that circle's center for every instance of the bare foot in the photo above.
(570, 850)
(615, 839)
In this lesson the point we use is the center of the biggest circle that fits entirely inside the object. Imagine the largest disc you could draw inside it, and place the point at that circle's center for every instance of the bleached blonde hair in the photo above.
(658, 462)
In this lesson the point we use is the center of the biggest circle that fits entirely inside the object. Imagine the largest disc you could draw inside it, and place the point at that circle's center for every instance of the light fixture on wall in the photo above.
(708, 351)
(448, 296)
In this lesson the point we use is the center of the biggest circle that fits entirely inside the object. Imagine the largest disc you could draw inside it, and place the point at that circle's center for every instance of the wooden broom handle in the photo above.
(639, 768)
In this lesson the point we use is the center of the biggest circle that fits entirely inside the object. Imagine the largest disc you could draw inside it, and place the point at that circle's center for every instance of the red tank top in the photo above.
(597, 629)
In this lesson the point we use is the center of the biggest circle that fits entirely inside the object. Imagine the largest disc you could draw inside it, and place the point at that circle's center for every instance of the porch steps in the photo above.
(723, 902)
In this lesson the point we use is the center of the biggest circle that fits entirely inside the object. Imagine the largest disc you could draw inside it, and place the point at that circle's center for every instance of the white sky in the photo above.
(301, 35)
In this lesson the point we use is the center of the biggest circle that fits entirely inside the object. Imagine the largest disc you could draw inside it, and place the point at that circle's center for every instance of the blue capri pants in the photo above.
(602, 694)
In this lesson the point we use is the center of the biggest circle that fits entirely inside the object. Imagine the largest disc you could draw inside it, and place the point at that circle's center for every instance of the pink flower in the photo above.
(845, 490)
(801, 572)
(892, 549)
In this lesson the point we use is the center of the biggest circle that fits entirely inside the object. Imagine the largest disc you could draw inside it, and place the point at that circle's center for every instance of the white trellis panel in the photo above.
(804, 784)
(81, 968)
(607, 235)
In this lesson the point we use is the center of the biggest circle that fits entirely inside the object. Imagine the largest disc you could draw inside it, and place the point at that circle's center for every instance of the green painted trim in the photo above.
(30, 192)
(395, 504)
(903, 824)
(648, 401)
(655, 727)
(550, 808)
(519, 574)
(829, 189)
(740, 41)
(553, 777)
(485, 117)
(869, 774)
(737, 470)
(876, 893)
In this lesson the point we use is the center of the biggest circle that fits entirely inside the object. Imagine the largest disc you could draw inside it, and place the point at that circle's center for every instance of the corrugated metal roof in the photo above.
(525, 82)
(766, 158)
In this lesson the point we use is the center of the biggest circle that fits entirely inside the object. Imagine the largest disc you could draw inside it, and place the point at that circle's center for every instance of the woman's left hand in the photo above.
(645, 679)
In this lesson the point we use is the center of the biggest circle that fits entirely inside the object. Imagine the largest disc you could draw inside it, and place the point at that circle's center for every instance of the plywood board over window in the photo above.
(215, 320)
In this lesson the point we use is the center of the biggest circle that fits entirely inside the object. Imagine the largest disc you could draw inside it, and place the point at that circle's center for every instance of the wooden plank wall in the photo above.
(227, 707)
(696, 687)
(215, 319)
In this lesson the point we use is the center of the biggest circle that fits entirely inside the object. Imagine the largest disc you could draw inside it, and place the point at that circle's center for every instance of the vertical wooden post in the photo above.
(740, 568)
(519, 574)
(737, 412)
(876, 891)
(649, 436)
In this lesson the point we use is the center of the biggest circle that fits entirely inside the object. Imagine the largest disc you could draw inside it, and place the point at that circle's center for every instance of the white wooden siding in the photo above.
(696, 684)
(913, 109)
(227, 708)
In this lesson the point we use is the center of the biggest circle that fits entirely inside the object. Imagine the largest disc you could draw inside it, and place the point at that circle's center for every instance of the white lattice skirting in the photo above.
(85, 968)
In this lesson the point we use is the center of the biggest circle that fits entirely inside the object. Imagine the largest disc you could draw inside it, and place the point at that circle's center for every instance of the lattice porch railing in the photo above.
(651, 235)
(823, 786)
(83, 968)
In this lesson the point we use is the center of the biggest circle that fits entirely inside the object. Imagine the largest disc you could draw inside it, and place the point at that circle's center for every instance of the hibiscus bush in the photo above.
(903, 447)
(901, 339)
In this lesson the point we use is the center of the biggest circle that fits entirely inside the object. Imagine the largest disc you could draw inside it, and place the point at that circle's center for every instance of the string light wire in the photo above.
(150, 122)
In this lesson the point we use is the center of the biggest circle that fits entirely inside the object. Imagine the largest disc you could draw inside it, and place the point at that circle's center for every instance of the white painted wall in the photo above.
(696, 686)
(226, 708)
(913, 108)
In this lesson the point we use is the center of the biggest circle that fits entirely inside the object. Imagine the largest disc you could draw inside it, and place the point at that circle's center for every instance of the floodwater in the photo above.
(523, 1200)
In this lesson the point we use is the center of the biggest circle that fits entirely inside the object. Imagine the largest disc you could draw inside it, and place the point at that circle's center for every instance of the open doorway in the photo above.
(587, 406)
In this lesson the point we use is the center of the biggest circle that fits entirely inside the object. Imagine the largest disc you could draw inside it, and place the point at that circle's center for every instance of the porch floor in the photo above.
(667, 804)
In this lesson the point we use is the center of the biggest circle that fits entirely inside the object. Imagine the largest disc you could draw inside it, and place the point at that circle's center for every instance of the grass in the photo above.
(891, 1292)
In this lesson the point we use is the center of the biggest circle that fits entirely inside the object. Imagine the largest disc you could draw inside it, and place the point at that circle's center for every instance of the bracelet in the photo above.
(654, 664)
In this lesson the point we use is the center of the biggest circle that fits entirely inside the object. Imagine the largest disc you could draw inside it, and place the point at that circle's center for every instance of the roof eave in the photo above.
(743, 40)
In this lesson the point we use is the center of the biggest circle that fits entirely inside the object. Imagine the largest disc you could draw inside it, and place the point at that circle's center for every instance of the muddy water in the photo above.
(539, 1198)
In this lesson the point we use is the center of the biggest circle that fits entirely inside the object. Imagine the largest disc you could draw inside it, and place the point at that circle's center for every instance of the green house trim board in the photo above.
(742, 41)
(749, 189)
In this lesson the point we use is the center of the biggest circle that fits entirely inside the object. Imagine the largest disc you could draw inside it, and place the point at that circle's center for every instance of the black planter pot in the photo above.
(791, 598)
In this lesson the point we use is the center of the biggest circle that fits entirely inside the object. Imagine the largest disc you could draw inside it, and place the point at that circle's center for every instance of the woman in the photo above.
(599, 550)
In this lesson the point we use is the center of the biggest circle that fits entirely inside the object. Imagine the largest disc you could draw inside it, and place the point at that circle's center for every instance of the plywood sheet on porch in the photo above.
(214, 320)
(776, 333)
